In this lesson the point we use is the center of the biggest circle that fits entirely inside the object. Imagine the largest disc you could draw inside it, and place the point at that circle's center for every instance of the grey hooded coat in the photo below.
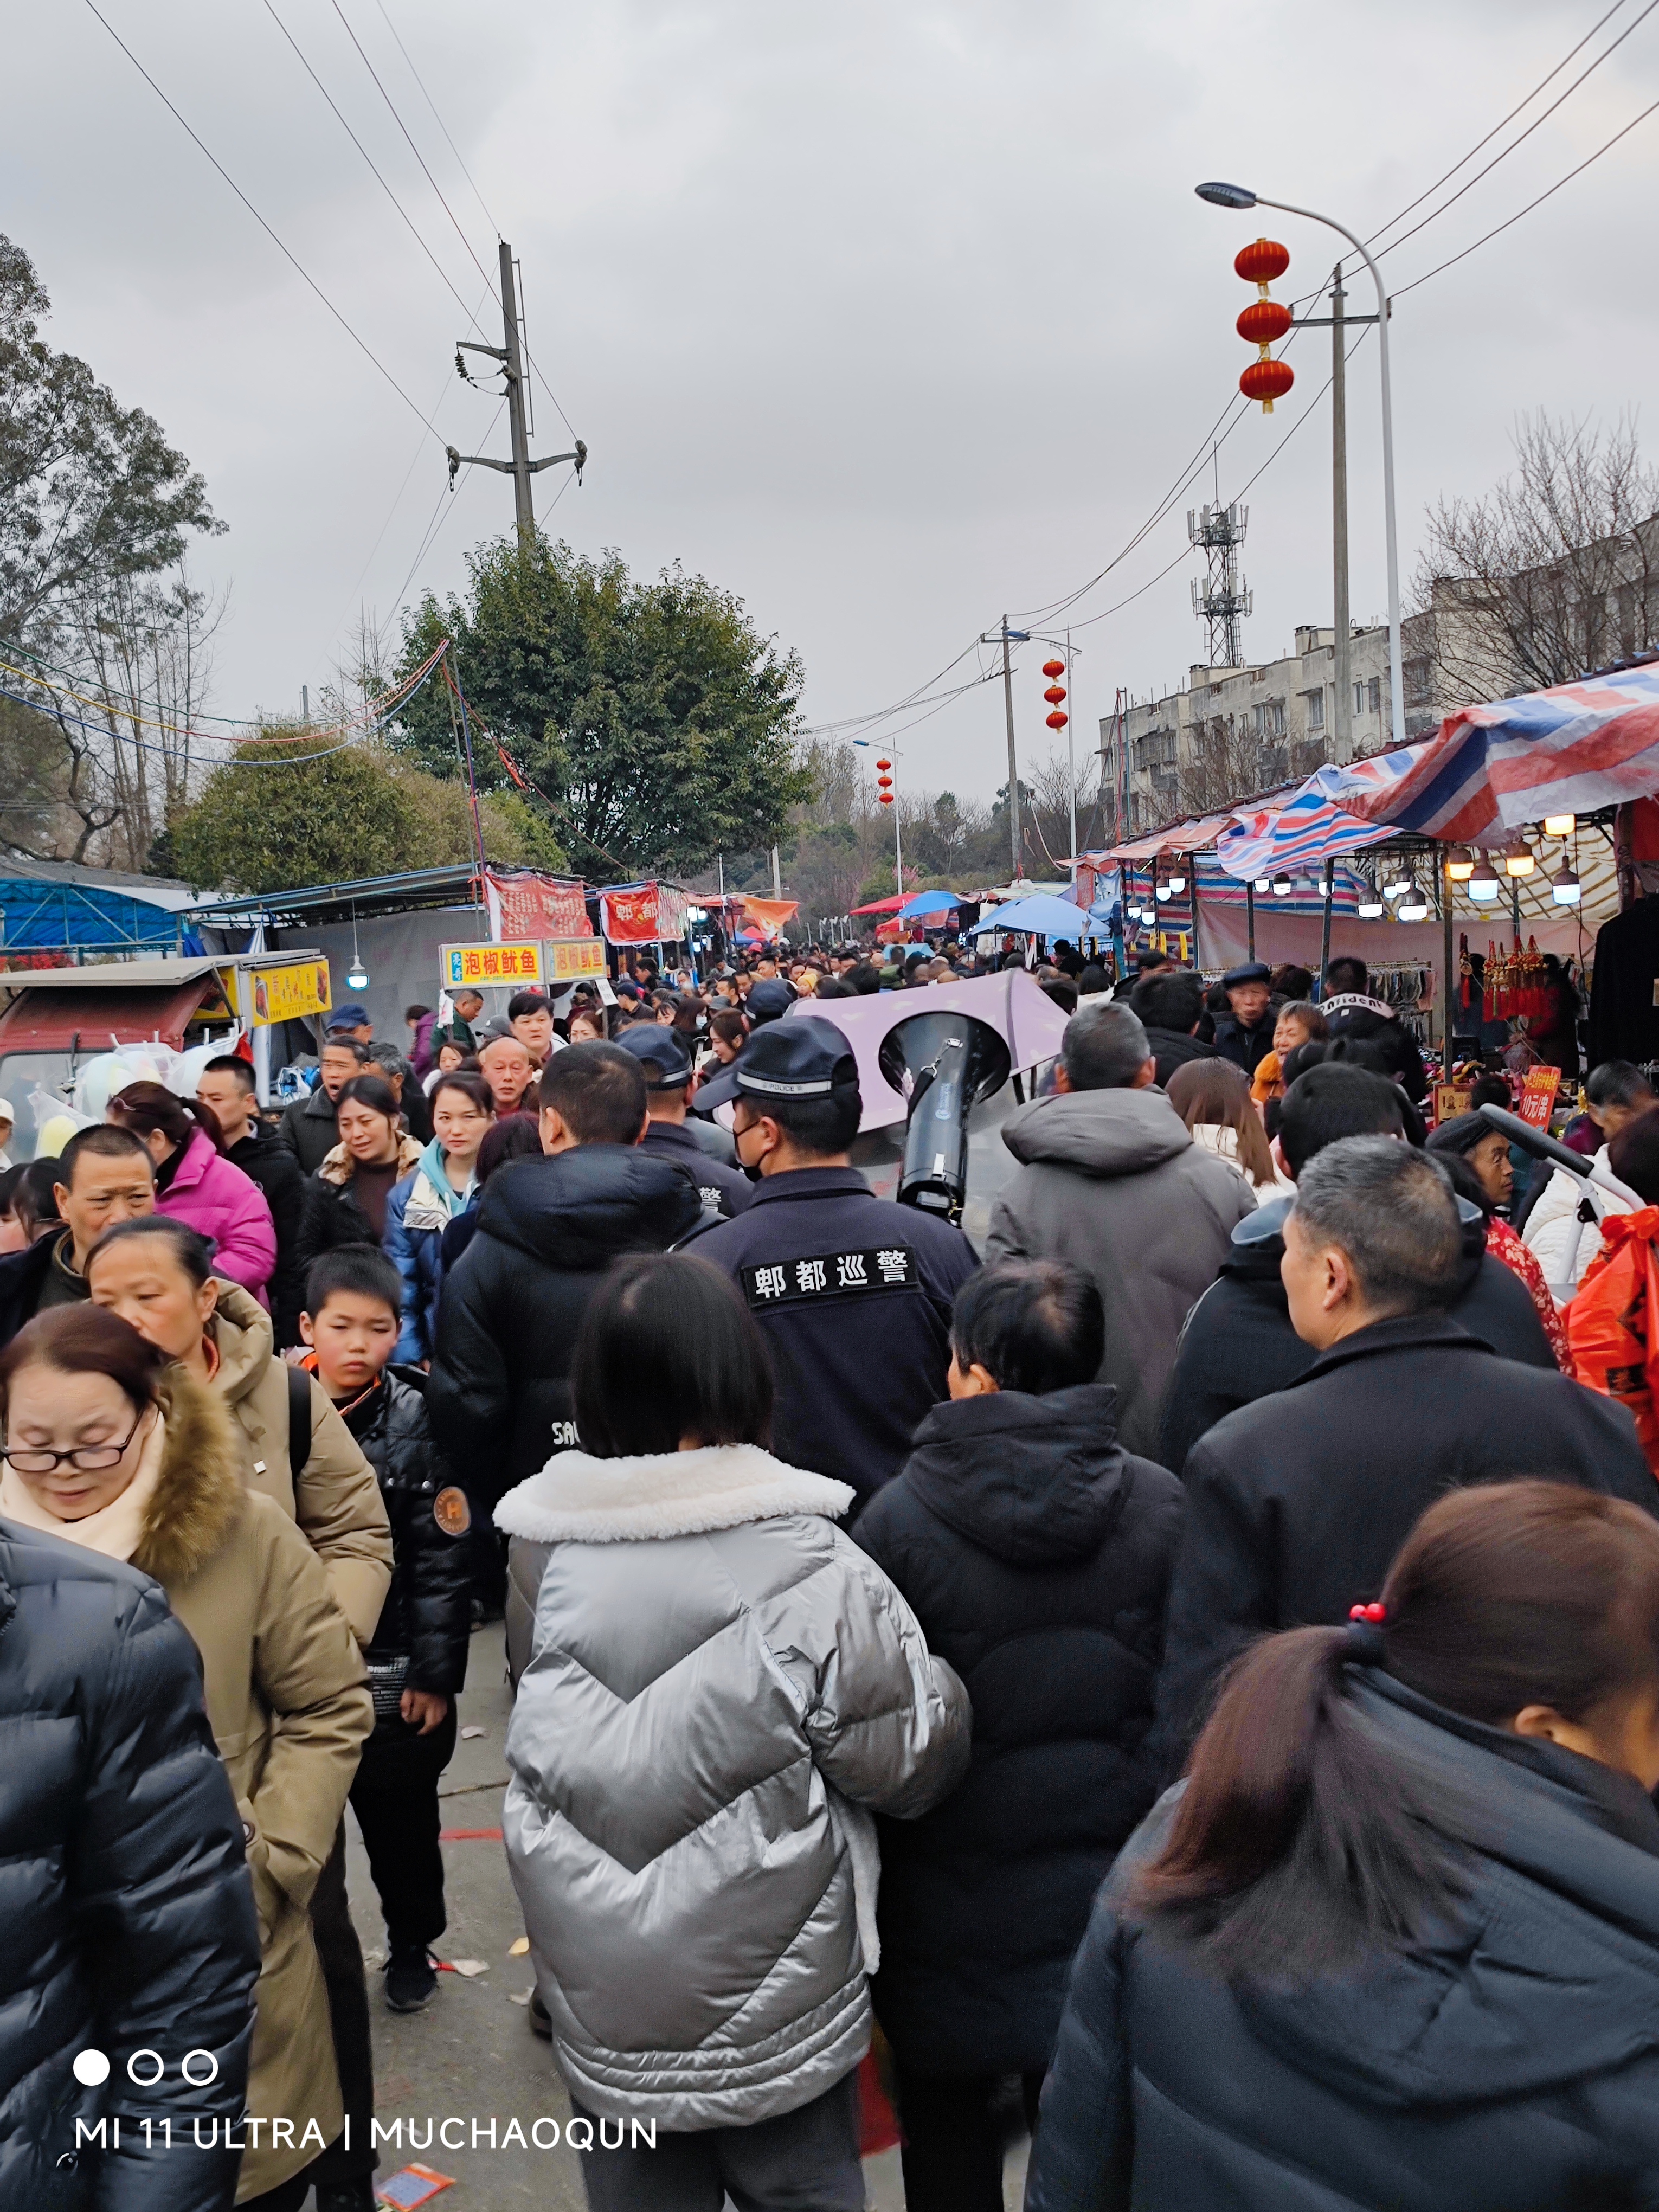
(720, 1688)
(1112, 1181)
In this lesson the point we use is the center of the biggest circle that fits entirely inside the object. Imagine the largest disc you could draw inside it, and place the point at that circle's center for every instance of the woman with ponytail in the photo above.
(195, 1184)
(1393, 1942)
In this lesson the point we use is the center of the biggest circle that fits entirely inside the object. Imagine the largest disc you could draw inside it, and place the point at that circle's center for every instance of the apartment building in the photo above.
(1229, 731)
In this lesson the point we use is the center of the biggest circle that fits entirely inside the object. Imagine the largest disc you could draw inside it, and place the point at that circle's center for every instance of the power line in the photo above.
(439, 120)
(362, 344)
(408, 220)
(1429, 191)
(1469, 186)
(1530, 205)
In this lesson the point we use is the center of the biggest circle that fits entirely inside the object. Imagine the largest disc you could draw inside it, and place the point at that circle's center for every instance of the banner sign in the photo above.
(483, 964)
(630, 917)
(286, 994)
(532, 907)
(1538, 1088)
(571, 960)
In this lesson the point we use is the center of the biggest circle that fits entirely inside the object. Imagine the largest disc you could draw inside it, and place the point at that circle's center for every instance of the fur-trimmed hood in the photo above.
(577, 1499)
(199, 1493)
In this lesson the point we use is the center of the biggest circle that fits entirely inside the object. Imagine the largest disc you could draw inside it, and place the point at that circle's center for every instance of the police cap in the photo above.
(661, 1052)
(804, 1058)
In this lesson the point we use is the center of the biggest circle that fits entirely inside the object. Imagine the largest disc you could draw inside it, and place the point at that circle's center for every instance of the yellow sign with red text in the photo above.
(569, 959)
(285, 995)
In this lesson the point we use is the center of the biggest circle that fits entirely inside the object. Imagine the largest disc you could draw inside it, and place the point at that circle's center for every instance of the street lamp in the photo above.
(1241, 197)
(867, 744)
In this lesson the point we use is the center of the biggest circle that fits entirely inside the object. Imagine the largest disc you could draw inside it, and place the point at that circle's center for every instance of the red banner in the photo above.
(1538, 1088)
(630, 917)
(531, 907)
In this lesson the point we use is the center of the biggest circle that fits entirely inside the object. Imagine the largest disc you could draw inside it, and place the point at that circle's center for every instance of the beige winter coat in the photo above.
(337, 1500)
(282, 1679)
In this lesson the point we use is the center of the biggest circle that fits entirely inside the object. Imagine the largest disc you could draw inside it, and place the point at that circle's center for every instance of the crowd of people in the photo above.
(1187, 1675)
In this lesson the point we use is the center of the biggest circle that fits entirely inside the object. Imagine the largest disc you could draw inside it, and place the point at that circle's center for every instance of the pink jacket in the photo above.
(218, 1200)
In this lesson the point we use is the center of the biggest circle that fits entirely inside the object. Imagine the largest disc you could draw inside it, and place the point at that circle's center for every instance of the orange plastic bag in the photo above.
(1612, 1324)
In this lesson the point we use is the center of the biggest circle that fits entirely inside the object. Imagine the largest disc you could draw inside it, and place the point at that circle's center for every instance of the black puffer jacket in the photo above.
(1238, 1344)
(1510, 2065)
(426, 1616)
(124, 1895)
(1036, 1555)
(498, 1392)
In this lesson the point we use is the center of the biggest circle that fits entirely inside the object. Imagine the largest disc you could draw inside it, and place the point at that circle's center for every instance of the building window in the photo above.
(1419, 689)
(1374, 696)
(1359, 698)
(1316, 709)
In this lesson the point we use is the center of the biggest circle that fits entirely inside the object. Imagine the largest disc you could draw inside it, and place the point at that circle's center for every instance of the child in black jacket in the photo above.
(417, 1655)
(1036, 1554)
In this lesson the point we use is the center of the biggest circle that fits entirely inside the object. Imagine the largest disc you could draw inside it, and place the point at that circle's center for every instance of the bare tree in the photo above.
(1553, 573)
(1222, 764)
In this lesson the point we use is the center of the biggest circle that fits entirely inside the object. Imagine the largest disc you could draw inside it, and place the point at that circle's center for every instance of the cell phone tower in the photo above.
(1221, 599)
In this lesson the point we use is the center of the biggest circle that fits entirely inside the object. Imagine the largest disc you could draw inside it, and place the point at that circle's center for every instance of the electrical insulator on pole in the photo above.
(1263, 322)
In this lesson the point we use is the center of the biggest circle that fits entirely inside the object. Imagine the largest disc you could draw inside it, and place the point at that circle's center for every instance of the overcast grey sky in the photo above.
(884, 316)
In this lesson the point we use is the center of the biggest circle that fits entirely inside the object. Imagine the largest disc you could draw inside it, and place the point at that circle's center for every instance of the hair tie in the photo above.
(1366, 1648)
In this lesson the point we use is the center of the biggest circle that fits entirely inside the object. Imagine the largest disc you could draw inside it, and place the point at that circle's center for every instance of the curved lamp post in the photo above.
(1240, 197)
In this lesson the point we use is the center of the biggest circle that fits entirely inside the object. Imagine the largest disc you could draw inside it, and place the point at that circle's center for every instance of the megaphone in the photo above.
(944, 1064)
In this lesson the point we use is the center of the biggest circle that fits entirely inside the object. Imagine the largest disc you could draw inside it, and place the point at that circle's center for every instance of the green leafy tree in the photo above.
(87, 487)
(654, 717)
(357, 811)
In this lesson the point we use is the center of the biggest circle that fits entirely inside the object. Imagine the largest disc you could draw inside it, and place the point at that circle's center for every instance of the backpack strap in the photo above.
(301, 1426)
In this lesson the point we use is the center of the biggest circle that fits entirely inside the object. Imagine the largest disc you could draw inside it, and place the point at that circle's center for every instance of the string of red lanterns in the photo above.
(884, 782)
(1057, 718)
(1264, 322)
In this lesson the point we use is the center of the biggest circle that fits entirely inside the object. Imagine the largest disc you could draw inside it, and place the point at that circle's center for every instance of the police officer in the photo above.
(724, 1189)
(852, 1292)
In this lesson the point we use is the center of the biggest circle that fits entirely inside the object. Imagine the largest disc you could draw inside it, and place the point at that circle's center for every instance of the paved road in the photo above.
(471, 2056)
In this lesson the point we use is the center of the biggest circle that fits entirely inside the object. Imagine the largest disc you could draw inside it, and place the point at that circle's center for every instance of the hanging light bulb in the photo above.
(1483, 884)
(1517, 857)
(1565, 889)
(1178, 883)
(1262, 884)
(1460, 863)
(1283, 885)
(1162, 892)
(356, 974)
(1396, 880)
(1560, 825)
(1369, 907)
(1414, 902)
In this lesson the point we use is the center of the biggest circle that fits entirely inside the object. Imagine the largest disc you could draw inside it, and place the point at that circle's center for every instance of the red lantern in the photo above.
(1263, 321)
(1260, 261)
(1057, 720)
(883, 765)
(1054, 693)
(1054, 668)
(886, 797)
(1267, 380)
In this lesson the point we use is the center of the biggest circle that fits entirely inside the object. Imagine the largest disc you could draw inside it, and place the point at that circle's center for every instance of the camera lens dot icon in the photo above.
(91, 2067)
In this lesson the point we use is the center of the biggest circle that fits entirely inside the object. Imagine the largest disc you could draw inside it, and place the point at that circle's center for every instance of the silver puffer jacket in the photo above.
(720, 1688)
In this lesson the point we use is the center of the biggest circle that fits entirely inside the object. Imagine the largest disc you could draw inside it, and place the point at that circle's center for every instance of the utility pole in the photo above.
(1342, 670)
(1071, 752)
(520, 468)
(777, 880)
(1018, 637)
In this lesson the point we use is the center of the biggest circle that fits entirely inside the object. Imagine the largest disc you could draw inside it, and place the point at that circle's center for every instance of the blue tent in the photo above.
(1041, 915)
(926, 903)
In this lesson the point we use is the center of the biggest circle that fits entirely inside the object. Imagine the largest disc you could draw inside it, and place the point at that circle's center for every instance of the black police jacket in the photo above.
(1036, 1553)
(1237, 1344)
(724, 1190)
(123, 1886)
(1508, 2060)
(853, 1293)
(427, 1615)
(499, 1392)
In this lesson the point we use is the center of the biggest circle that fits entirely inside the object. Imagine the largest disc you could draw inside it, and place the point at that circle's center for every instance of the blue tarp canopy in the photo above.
(926, 903)
(38, 913)
(1041, 915)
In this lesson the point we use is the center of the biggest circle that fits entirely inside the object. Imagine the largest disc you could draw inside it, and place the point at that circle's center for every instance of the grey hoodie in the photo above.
(1112, 1181)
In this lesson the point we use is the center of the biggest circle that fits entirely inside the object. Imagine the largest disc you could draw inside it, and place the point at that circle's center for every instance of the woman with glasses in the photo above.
(110, 1447)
